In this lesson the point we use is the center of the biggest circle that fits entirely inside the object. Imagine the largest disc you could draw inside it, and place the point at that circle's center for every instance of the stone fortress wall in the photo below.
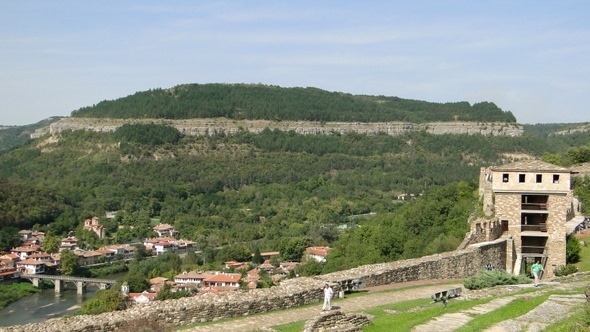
(228, 126)
(290, 293)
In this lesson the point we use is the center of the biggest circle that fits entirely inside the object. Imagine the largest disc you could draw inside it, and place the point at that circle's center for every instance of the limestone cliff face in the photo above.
(578, 129)
(229, 126)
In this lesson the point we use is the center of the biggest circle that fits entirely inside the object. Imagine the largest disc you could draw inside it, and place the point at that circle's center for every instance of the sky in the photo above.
(531, 58)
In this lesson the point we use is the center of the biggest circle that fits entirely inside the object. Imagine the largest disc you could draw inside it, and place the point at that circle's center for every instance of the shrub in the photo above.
(104, 301)
(572, 249)
(486, 279)
(565, 270)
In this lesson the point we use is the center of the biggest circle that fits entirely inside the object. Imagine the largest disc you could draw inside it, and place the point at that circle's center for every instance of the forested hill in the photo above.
(265, 102)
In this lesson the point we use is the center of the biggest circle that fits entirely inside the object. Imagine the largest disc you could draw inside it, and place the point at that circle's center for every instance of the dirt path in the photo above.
(406, 291)
(535, 320)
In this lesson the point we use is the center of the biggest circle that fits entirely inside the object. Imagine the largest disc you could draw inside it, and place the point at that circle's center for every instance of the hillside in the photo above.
(264, 102)
(272, 189)
(242, 184)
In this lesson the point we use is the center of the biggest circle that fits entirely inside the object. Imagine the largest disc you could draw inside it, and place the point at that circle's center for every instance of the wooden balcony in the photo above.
(534, 228)
(537, 250)
(534, 206)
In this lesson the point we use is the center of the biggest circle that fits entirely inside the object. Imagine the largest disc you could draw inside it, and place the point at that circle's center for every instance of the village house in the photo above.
(161, 245)
(143, 297)
(192, 277)
(319, 254)
(41, 256)
(251, 279)
(24, 251)
(29, 237)
(236, 265)
(69, 243)
(266, 266)
(270, 254)
(164, 230)
(157, 284)
(9, 259)
(25, 234)
(288, 266)
(231, 280)
(126, 251)
(31, 266)
(182, 246)
(8, 272)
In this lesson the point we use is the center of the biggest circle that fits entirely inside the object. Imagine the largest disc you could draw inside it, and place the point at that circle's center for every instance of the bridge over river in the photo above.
(59, 281)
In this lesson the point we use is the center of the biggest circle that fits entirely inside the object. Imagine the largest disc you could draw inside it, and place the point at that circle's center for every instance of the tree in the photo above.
(552, 158)
(236, 252)
(191, 259)
(311, 267)
(69, 263)
(140, 253)
(137, 282)
(579, 155)
(104, 301)
(166, 293)
(257, 258)
(572, 250)
(9, 238)
(292, 249)
(51, 243)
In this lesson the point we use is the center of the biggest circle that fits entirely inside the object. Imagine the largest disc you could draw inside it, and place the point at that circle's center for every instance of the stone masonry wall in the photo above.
(290, 293)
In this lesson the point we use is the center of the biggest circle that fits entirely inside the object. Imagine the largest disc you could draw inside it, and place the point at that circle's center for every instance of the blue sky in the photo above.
(529, 57)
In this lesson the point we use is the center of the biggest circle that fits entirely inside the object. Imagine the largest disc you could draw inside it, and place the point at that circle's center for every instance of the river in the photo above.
(41, 306)
(46, 304)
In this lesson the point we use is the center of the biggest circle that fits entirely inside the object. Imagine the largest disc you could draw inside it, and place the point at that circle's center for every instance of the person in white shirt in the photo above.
(328, 294)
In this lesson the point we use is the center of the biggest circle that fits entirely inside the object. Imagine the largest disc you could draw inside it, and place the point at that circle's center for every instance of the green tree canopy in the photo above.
(104, 301)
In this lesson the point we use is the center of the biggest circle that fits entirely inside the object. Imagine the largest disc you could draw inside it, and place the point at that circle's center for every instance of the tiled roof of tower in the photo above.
(531, 166)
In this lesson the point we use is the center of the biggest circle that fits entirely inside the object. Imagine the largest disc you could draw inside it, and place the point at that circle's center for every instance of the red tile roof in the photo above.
(224, 277)
(318, 251)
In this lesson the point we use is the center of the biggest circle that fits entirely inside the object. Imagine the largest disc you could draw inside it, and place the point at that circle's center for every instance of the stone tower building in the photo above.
(530, 203)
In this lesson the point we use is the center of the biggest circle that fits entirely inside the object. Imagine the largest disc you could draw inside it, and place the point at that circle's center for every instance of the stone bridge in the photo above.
(59, 281)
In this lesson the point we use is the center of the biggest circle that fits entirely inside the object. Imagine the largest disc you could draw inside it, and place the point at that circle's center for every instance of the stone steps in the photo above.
(452, 321)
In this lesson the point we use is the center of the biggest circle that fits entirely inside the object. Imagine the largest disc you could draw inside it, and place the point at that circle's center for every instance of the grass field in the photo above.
(405, 315)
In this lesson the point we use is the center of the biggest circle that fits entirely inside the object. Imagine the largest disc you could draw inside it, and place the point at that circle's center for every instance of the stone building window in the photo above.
(539, 178)
(521, 178)
(504, 226)
(555, 178)
(505, 177)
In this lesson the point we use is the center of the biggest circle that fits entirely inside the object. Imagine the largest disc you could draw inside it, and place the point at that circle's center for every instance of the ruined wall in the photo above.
(290, 293)
(337, 321)
(207, 127)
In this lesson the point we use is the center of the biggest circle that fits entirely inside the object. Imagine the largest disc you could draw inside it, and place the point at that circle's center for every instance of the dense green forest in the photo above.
(269, 191)
(257, 101)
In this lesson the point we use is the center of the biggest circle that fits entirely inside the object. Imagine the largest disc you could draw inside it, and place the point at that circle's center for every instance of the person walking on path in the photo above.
(536, 270)
(328, 294)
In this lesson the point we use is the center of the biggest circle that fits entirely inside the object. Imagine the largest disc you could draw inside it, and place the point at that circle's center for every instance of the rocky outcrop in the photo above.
(579, 129)
(214, 126)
